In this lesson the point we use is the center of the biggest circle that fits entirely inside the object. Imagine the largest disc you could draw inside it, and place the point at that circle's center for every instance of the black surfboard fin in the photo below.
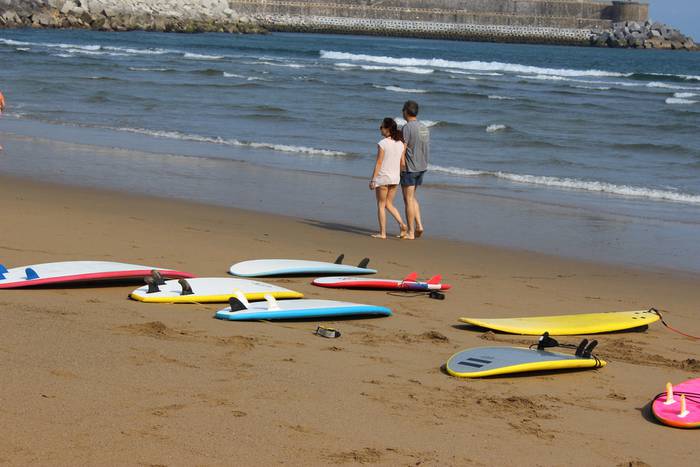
(152, 285)
(236, 304)
(363, 264)
(589, 350)
(186, 287)
(157, 277)
(339, 259)
(581, 348)
(31, 274)
(546, 341)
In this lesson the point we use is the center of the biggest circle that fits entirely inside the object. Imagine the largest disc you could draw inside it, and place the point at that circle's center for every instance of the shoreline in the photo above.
(120, 381)
(505, 219)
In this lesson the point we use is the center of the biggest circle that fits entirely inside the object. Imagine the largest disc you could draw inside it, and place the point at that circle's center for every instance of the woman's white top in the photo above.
(390, 171)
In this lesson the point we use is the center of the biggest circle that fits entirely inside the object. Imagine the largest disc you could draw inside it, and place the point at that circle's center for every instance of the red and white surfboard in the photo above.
(409, 283)
(78, 271)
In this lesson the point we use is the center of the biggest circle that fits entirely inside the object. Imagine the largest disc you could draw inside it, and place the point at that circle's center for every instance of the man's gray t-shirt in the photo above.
(417, 138)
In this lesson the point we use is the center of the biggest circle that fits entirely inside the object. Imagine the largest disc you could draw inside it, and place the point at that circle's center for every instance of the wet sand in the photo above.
(90, 377)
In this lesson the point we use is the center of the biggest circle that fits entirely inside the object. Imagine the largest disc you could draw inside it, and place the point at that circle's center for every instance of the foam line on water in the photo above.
(679, 101)
(194, 56)
(401, 69)
(576, 184)
(496, 127)
(231, 142)
(90, 47)
(399, 89)
(468, 65)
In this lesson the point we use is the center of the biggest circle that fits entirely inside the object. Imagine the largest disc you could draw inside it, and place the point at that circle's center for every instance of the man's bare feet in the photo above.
(383, 237)
(419, 233)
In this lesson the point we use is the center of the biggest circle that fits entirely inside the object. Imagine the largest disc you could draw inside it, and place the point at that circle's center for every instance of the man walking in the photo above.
(417, 138)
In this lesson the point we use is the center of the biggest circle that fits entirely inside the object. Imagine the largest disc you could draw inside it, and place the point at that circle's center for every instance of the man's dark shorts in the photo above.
(412, 178)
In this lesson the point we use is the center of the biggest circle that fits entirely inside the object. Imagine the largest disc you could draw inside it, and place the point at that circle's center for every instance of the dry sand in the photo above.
(90, 377)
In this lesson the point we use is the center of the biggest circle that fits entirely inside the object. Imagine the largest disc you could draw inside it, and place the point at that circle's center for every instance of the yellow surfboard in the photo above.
(568, 325)
(209, 290)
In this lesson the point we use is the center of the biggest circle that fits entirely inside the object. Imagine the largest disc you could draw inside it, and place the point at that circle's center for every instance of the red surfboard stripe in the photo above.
(97, 276)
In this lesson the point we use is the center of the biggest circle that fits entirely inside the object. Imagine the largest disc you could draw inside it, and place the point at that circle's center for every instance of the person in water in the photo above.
(2, 108)
(385, 178)
(417, 138)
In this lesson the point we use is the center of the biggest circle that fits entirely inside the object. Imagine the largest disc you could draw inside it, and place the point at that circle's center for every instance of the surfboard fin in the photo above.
(242, 298)
(435, 280)
(581, 348)
(339, 259)
(31, 274)
(589, 350)
(363, 264)
(186, 287)
(411, 277)
(3, 269)
(546, 341)
(157, 277)
(272, 304)
(236, 304)
(151, 283)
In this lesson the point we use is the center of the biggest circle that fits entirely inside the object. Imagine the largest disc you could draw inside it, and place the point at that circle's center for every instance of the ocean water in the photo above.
(598, 134)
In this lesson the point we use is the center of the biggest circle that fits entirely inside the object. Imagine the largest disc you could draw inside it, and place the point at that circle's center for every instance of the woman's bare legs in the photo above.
(381, 194)
(391, 193)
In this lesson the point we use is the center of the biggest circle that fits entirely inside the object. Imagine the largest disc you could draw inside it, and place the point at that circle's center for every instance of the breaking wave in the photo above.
(232, 142)
(469, 66)
(398, 89)
(576, 184)
(495, 128)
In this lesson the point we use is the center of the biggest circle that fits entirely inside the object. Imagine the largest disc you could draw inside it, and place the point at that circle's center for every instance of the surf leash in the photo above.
(431, 294)
(658, 313)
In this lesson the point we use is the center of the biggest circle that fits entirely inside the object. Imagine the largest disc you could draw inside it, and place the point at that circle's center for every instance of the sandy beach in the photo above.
(91, 377)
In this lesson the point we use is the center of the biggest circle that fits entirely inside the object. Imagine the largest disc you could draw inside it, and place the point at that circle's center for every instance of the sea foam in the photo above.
(468, 65)
(398, 89)
(576, 184)
(231, 142)
(679, 101)
(495, 128)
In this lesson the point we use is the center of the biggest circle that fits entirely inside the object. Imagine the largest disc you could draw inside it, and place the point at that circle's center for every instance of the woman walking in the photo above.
(391, 152)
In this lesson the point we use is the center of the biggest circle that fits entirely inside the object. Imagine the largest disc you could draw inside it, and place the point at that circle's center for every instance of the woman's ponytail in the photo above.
(394, 132)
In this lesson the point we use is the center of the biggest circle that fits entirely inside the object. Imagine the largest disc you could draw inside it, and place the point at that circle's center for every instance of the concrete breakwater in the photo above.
(571, 22)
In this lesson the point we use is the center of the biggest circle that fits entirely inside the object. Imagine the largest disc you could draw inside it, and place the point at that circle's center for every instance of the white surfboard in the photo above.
(241, 310)
(208, 290)
(78, 271)
(288, 267)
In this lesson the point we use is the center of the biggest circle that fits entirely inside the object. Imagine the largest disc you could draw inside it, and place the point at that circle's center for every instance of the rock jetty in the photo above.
(126, 15)
(646, 35)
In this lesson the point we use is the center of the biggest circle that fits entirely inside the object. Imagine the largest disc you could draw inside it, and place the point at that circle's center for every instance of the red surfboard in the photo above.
(79, 271)
(409, 283)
